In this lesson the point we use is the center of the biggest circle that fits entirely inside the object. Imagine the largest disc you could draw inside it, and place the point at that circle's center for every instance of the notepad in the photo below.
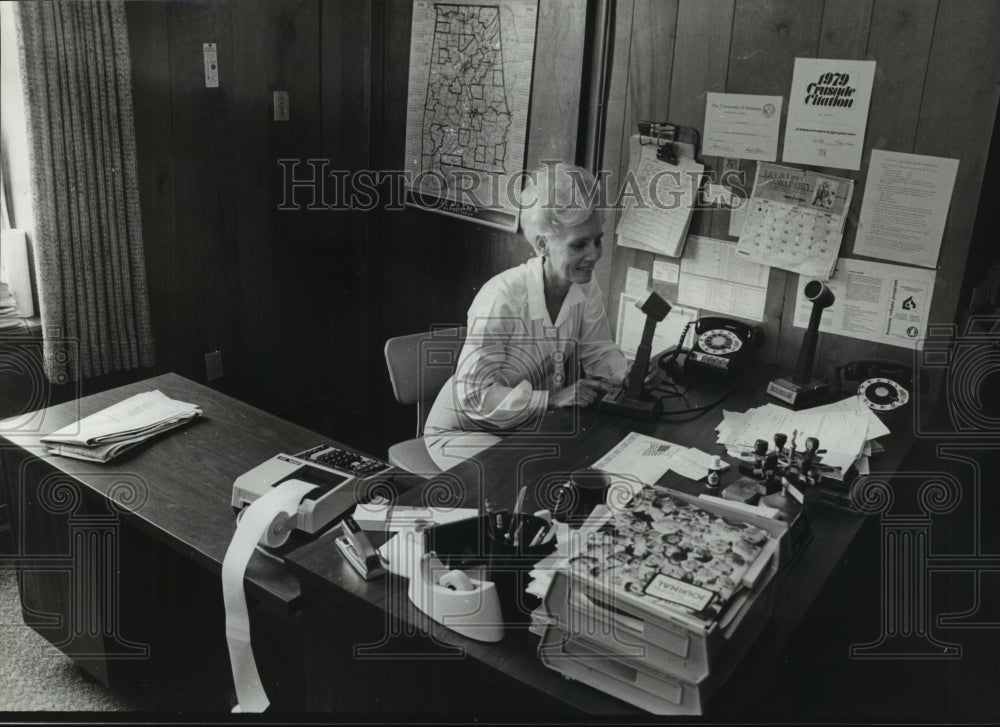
(657, 201)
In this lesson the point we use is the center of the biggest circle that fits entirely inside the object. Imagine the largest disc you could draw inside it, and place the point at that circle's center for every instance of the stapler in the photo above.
(360, 553)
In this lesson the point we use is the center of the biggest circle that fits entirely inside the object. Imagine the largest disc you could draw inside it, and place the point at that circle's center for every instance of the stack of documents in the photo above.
(647, 459)
(10, 314)
(687, 584)
(845, 429)
(106, 434)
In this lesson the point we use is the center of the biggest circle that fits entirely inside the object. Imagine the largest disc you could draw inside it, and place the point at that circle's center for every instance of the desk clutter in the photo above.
(652, 598)
(645, 593)
(103, 436)
(654, 601)
(846, 430)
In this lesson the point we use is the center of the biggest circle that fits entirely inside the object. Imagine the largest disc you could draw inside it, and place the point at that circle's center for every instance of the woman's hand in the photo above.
(583, 392)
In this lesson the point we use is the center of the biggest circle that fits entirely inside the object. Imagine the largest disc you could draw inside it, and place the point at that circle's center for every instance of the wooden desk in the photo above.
(105, 550)
(450, 673)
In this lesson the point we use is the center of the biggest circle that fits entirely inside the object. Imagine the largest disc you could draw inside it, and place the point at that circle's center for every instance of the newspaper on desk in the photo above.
(106, 434)
(845, 429)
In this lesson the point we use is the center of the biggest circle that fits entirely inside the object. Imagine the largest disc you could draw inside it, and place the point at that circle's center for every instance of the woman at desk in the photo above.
(538, 337)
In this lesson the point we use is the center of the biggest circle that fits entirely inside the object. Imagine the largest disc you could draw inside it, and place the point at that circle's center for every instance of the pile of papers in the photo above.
(10, 314)
(845, 429)
(106, 434)
(647, 459)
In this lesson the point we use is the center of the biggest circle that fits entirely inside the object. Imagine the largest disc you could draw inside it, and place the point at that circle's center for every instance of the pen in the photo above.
(493, 517)
(516, 515)
(520, 500)
(518, 505)
(538, 536)
(517, 533)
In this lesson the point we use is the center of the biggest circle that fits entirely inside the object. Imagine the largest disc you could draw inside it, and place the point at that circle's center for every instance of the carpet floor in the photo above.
(34, 675)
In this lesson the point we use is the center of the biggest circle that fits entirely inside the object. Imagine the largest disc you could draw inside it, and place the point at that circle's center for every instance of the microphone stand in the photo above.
(801, 389)
(631, 401)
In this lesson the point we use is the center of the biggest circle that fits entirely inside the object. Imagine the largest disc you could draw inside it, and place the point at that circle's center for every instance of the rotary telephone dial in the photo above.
(884, 385)
(722, 344)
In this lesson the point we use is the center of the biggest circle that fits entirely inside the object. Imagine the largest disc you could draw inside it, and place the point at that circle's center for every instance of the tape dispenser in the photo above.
(469, 606)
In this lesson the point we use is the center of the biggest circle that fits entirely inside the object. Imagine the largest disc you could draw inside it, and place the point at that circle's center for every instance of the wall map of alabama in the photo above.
(467, 117)
(467, 107)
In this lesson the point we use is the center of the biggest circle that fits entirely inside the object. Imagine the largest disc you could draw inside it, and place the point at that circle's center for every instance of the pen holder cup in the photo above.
(576, 496)
(487, 544)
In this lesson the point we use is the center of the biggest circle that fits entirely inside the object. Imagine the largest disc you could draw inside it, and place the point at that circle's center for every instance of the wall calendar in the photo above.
(795, 220)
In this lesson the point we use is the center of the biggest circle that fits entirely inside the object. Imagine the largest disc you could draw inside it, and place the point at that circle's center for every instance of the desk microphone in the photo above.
(802, 390)
(631, 401)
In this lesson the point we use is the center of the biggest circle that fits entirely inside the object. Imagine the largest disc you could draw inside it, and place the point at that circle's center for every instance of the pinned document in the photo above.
(795, 220)
(657, 200)
(742, 126)
(905, 207)
(875, 302)
(828, 112)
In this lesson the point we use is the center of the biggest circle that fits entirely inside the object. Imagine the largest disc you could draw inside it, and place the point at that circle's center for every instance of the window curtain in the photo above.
(89, 262)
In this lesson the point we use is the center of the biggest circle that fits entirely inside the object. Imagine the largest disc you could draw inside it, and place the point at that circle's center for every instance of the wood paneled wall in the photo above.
(431, 266)
(282, 293)
(935, 93)
(301, 301)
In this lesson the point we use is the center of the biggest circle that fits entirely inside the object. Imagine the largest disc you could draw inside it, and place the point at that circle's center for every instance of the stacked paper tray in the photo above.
(664, 646)
(629, 680)
(661, 661)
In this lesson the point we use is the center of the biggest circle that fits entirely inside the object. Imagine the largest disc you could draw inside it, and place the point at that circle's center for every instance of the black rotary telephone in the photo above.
(722, 344)
(884, 385)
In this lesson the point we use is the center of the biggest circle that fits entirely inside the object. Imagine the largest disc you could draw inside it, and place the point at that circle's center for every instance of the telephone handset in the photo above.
(884, 385)
(722, 344)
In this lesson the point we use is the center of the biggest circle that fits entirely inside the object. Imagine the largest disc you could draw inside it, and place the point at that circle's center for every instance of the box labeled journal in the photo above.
(652, 614)
(675, 558)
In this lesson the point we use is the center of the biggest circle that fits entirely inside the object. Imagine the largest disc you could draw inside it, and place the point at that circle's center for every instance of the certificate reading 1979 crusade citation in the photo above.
(828, 112)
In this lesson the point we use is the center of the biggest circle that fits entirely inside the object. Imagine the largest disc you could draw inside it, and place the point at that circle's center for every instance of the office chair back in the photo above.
(420, 364)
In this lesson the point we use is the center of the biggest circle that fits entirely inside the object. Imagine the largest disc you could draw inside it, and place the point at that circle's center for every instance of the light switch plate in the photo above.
(281, 105)
(213, 365)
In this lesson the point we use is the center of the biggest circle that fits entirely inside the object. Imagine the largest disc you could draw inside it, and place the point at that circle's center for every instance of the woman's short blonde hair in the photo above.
(556, 196)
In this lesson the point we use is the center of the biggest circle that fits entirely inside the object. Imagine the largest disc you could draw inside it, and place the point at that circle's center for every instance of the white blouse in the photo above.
(514, 355)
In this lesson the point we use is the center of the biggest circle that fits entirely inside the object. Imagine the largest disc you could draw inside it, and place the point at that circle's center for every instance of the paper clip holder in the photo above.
(360, 553)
